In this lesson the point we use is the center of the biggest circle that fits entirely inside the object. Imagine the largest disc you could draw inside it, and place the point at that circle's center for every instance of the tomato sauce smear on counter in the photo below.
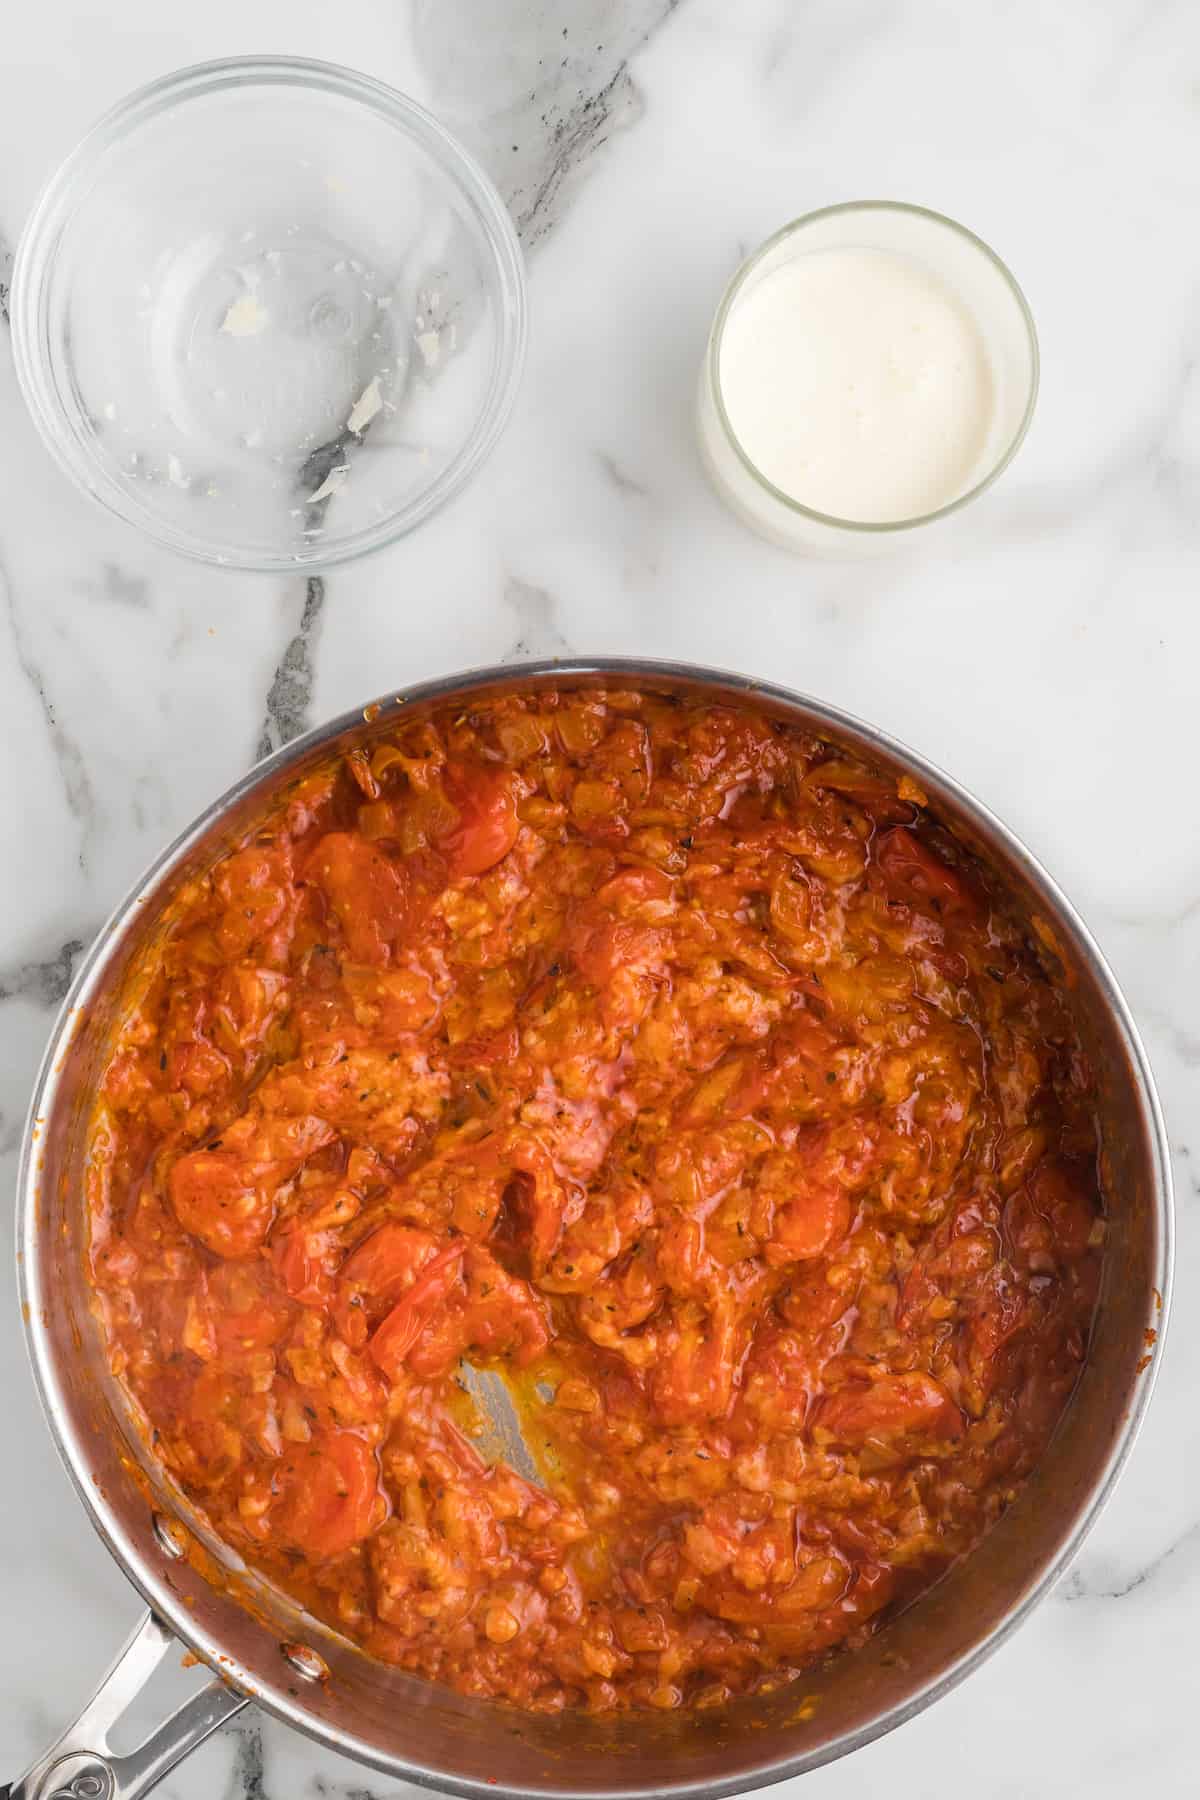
(667, 1060)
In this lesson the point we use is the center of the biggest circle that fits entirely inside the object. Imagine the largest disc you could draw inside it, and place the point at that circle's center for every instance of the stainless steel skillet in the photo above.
(308, 1677)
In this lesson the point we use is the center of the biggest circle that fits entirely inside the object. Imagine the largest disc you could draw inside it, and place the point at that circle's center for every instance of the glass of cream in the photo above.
(872, 368)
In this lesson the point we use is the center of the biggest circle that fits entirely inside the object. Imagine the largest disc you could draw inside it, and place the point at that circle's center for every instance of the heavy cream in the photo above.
(856, 382)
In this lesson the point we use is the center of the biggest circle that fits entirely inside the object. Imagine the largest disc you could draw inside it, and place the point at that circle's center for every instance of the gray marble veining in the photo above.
(289, 697)
(536, 89)
(44, 983)
(537, 628)
(72, 765)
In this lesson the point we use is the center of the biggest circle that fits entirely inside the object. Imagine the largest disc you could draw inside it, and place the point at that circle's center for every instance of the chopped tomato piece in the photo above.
(492, 1314)
(385, 1263)
(644, 892)
(330, 1495)
(249, 1314)
(225, 1195)
(541, 1197)
(816, 1215)
(694, 1377)
(370, 893)
(408, 1319)
(306, 1261)
(802, 1202)
(255, 889)
(1000, 1313)
(894, 1406)
(391, 1002)
(609, 948)
(918, 874)
(487, 817)
(812, 1302)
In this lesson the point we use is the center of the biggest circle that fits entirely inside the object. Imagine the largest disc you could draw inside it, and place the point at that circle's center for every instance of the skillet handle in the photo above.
(80, 1766)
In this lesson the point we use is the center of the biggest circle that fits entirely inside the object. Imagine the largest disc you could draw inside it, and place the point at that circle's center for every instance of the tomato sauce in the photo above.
(674, 1064)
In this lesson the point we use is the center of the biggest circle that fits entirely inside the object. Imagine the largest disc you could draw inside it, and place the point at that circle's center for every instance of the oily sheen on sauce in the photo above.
(671, 1062)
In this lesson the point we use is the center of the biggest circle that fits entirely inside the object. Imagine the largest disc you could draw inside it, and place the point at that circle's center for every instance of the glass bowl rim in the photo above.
(64, 191)
(879, 527)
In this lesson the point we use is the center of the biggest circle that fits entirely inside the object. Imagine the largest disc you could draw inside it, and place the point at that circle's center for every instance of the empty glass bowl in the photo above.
(269, 312)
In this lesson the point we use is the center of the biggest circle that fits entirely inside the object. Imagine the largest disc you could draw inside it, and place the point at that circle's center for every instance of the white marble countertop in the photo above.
(1048, 653)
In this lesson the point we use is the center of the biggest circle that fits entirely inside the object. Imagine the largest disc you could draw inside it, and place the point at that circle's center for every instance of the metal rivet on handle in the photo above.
(80, 1777)
(306, 1662)
(171, 1537)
